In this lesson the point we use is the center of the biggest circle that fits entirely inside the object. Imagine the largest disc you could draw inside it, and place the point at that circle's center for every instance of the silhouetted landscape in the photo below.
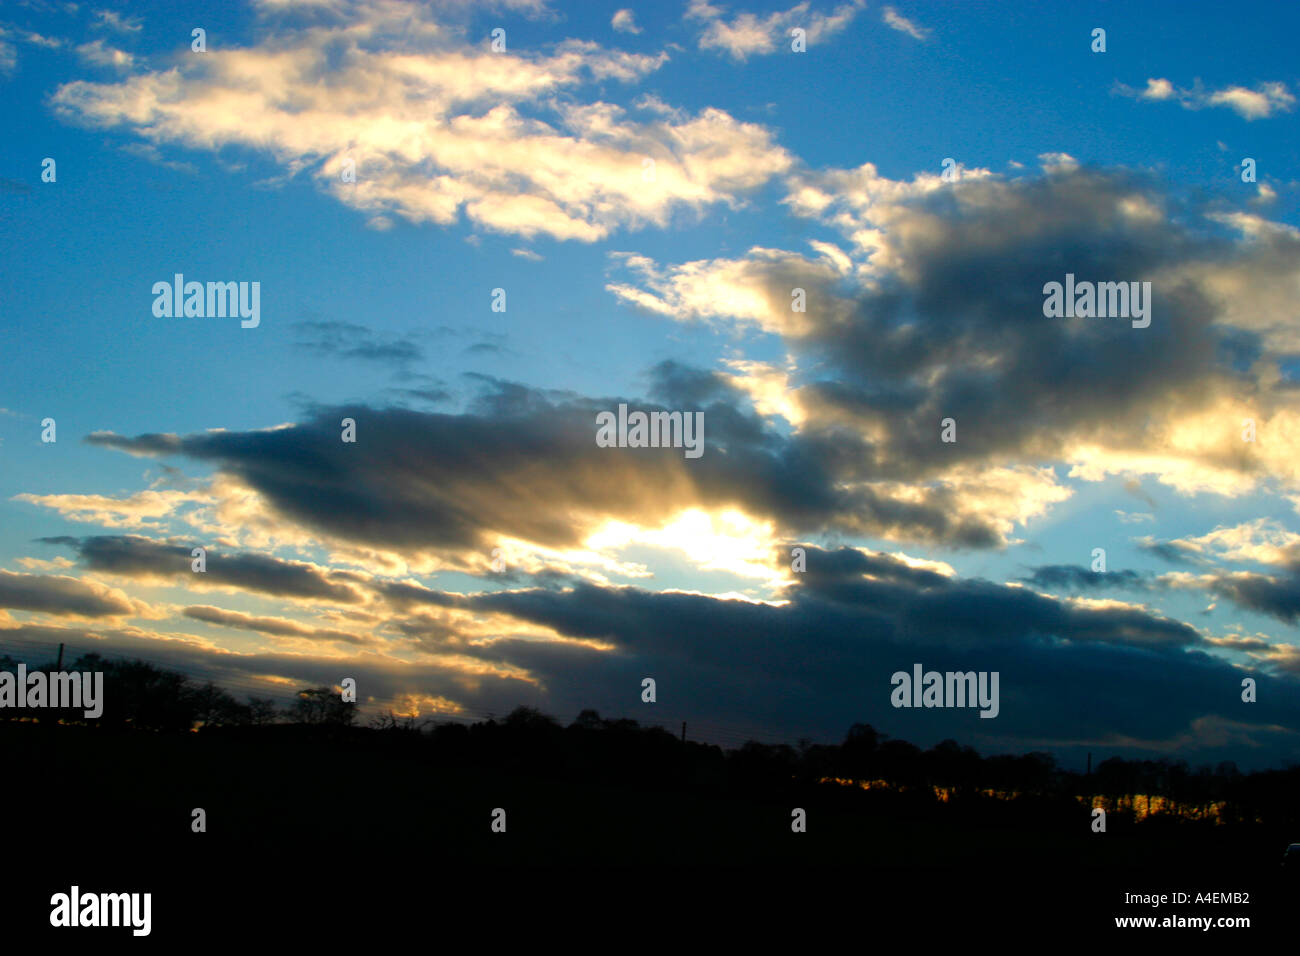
(605, 793)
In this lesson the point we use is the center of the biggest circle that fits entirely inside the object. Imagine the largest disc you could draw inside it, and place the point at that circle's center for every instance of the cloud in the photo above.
(383, 681)
(99, 54)
(904, 25)
(141, 445)
(347, 340)
(1265, 100)
(430, 483)
(9, 52)
(64, 596)
(921, 301)
(938, 313)
(1262, 541)
(823, 659)
(1168, 551)
(273, 626)
(112, 20)
(747, 34)
(624, 21)
(35, 39)
(154, 155)
(1130, 517)
(1134, 487)
(1076, 578)
(1275, 595)
(56, 564)
(1158, 90)
(814, 661)
(438, 128)
(140, 510)
(132, 556)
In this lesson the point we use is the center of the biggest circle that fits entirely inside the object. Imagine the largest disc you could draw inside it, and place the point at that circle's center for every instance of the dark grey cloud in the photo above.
(958, 331)
(1244, 644)
(1175, 552)
(58, 594)
(951, 324)
(276, 627)
(485, 341)
(1078, 578)
(135, 556)
(348, 340)
(1272, 594)
(851, 563)
(434, 394)
(1071, 675)
(1275, 595)
(524, 463)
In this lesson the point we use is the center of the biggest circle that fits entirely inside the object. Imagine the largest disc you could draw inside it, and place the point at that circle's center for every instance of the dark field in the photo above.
(303, 819)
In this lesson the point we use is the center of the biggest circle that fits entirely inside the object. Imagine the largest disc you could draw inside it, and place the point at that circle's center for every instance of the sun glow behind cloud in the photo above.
(725, 540)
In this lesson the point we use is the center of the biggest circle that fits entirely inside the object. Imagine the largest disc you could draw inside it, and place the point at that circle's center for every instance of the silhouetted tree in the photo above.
(213, 707)
(138, 694)
(858, 753)
(322, 706)
(262, 711)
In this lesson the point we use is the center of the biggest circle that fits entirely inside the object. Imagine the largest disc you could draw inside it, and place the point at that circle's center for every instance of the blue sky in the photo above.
(523, 170)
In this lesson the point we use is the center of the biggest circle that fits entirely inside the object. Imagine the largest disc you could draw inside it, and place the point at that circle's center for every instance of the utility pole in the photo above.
(59, 665)
(683, 731)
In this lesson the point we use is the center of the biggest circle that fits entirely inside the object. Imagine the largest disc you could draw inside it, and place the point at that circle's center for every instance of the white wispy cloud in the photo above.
(99, 54)
(113, 20)
(903, 25)
(747, 34)
(625, 22)
(1265, 100)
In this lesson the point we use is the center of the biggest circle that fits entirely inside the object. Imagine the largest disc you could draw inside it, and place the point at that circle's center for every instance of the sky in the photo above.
(827, 228)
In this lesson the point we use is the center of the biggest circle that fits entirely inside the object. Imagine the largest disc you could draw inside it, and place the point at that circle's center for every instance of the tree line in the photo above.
(139, 695)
